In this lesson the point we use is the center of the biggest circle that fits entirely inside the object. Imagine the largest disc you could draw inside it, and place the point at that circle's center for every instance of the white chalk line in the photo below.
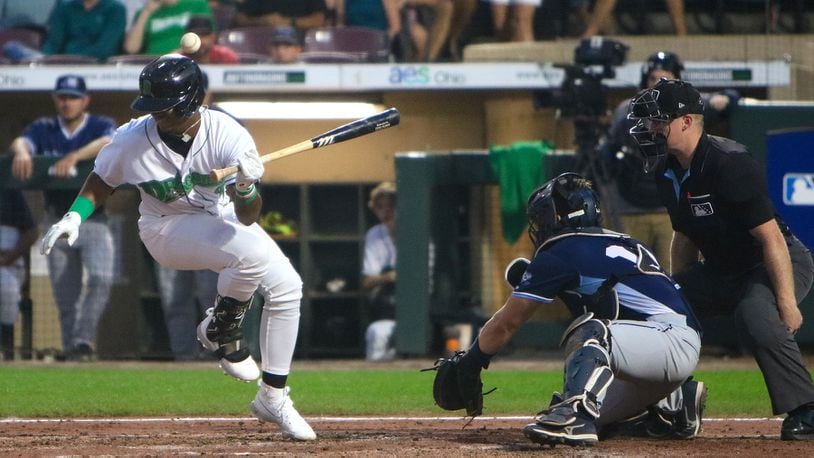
(313, 419)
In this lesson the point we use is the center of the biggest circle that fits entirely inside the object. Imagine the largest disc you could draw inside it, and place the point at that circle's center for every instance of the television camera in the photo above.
(582, 97)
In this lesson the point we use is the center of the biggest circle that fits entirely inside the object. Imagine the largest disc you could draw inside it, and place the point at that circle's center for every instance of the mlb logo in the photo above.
(702, 209)
(798, 189)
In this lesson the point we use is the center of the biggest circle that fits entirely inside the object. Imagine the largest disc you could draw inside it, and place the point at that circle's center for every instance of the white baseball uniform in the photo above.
(187, 221)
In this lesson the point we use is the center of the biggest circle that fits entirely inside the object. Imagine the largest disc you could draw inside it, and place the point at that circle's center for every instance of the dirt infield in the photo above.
(364, 437)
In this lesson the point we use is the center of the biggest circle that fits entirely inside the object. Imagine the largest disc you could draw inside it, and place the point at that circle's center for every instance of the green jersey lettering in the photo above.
(174, 188)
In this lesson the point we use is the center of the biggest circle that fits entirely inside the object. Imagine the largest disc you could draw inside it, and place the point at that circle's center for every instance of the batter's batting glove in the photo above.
(251, 170)
(67, 227)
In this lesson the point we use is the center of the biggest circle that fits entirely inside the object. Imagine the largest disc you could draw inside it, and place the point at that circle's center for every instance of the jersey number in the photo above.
(643, 258)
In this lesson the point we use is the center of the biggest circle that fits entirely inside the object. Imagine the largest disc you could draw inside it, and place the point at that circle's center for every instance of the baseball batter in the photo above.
(189, 222)
(634, 341)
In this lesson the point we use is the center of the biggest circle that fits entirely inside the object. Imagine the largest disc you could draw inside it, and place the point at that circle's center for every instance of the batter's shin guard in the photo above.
(220, 333)
(227, 318)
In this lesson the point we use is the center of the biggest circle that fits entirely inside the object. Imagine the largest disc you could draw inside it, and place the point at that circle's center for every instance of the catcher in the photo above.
(630, 349)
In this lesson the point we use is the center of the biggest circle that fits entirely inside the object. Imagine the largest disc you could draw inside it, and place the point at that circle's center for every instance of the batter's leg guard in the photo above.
(572, 421)
(220, 333)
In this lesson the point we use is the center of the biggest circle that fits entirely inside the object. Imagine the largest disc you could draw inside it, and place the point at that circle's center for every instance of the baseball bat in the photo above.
(364, 126)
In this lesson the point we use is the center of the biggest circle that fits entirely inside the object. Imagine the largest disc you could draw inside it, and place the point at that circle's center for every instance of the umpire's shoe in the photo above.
(234, 359)
(798, 425)
(688, 423)
(274, 404)
(563, 425)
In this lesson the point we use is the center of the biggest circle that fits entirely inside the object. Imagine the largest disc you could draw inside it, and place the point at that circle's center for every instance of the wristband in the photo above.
(83, 206)
(482, 358)
(245, 198)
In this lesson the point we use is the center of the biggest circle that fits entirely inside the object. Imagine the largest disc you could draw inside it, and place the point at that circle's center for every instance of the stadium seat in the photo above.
(247, 39)
(346, 44)
(29, 37)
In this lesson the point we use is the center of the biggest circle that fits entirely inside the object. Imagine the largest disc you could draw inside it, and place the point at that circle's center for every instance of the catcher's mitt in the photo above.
(457, 384)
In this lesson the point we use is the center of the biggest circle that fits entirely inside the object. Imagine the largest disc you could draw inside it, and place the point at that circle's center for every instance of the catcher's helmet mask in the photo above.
(172, 81)
(656, 107)
(566, 202)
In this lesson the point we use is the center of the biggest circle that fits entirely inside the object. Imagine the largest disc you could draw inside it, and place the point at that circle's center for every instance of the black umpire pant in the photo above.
(749, 297)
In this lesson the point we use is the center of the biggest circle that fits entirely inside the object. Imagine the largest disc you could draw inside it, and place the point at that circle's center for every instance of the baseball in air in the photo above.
(190, 43)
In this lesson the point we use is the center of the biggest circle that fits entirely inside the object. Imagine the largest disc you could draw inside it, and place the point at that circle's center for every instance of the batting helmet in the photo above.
(565, 202)
(662, 60)
(170, 81)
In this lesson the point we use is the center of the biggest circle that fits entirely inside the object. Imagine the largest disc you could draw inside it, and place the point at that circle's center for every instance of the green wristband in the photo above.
(83, 206)
(245, 198)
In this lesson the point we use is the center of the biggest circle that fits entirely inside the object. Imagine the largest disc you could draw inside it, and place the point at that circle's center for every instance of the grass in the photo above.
(52, 392)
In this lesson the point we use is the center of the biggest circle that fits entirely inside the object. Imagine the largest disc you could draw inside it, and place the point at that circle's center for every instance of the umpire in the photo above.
(753, 267)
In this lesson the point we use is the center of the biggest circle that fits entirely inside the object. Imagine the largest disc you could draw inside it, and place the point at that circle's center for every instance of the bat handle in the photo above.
(219, 174)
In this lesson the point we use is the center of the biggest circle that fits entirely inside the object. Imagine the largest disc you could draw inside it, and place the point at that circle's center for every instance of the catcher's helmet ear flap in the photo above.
(662, 60)
(170, 81)
(565, 202)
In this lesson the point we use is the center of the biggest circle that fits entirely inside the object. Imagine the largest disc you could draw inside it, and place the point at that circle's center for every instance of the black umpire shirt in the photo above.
(717, 201)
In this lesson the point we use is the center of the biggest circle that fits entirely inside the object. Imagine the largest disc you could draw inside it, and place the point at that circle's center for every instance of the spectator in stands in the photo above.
(428, 22)
(285, 46)
(301, 14)
(462, 13)
(379, 274)
(73, 135)
(513, 20)
(603, 10)
(92, 28)
(158, 27)
(18, 232)
(210, 51)
(376, 14)
(418, 29)
(27, 14)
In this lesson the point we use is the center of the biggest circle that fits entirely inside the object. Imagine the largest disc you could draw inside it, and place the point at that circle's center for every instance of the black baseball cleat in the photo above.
(574, 428)
(689, 420)
(798, 426)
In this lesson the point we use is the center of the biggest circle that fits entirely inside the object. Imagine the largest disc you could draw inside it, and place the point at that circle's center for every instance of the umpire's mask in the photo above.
(653, 109)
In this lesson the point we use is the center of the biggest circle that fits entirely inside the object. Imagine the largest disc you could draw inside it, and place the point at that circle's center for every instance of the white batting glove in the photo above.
(251, 171)
(67, 227)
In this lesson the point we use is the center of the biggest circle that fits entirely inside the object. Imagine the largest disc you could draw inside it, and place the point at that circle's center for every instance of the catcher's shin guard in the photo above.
(587, 367)
(220, 333)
